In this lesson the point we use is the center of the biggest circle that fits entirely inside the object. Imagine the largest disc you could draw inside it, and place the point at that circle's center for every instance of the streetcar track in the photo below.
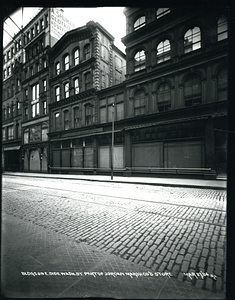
(119, 197)
(142, 210)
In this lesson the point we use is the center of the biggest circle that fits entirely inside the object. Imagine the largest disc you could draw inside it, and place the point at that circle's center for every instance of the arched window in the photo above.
(76, 86)
(87, 53)
(66, 120)
(192, 40)
(192, 90)
(76, 57)
(57, 67)
(223, 84)
(164, 97)
(76, 117)
(140, 60)
(222, 28)
(66, 90)
(66, 62)
(139, 23)
(162, 12)
(139, 103)
(57, 93)
(57, 121)
(163, 51)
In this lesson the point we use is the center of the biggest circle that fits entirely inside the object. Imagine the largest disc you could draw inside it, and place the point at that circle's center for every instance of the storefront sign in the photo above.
(59, 23)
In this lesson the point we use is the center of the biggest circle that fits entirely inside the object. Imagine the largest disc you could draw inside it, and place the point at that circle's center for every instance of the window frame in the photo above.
(66, 62)
(194, 98)
(222, 34)
(66, 90)
(76, 117)
(35, 100)
(190, 41)
(57, 67)
(162, 11)
(165, 104)
(88, 114)
(66, 119)
(87, 77)
(57, 93)
(165, 51)
(142, 103)
(87, 51)
(139, 64)
(76, 85)
(76, 57)
(139, 22)
(57, 121)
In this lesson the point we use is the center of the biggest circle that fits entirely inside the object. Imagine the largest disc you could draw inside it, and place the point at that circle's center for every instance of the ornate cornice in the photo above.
(73, 98)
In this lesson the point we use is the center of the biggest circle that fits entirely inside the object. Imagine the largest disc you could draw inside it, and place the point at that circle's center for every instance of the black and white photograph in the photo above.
(115, 133)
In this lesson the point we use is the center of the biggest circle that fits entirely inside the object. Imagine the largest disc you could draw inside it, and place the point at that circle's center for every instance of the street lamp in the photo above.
(112, 142)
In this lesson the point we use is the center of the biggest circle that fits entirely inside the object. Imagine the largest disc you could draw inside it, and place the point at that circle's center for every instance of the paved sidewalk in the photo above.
(40, 263)
(199, 183)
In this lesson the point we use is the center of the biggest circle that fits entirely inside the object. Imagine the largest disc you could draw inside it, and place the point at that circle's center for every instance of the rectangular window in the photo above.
(120, 111)
(35, 92)
(10, 133)
(26, 113)
(66, 62)
(42, 24)
(77, 157)
(88, 115)
(66, 90)
(37, 28)
(44, 134)
(103, 114)
(26, 136)
(44, 85)
(35, 100)
(44, 107)
(57, 121)
(87, 81)
(3, 134)
(76, 86)
(76, 117)
(57, 93)
(76, 57)
(183, 155)
(66, 120)
(57, 66)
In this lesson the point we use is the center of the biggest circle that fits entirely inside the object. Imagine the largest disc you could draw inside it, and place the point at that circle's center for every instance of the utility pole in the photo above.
(112, 143)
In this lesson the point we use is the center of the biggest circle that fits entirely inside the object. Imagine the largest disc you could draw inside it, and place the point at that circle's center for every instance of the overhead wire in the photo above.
(31, 56)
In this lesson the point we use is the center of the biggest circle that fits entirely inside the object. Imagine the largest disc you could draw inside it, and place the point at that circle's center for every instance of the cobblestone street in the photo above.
(175, 230)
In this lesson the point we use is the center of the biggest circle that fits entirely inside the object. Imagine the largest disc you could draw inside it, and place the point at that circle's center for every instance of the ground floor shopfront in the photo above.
(11, 158)
(190, 148)
(34, 158)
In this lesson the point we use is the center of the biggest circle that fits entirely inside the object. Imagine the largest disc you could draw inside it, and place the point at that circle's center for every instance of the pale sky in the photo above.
(111, 18)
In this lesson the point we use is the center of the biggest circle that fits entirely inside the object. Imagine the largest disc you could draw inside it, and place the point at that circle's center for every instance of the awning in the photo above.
(165, 122)
(85, 135)
(11, 148)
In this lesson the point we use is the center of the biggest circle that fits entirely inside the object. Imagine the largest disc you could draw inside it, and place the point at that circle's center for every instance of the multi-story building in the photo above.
(170, 112)
(176, 99)
(83, 61)
(25, 91)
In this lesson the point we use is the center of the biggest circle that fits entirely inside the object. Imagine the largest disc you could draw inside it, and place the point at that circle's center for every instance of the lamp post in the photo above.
(112, 142)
